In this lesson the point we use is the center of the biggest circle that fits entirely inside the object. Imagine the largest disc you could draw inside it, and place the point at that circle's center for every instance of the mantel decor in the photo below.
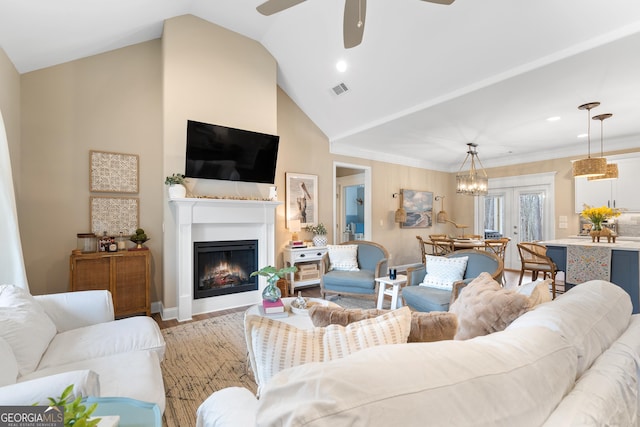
(113, 172)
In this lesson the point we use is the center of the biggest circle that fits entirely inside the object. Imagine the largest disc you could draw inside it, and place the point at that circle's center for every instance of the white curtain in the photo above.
(11, 262)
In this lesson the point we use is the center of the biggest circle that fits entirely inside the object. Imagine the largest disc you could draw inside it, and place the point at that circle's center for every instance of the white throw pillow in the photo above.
(343, 257)
(442, 272)
(538, 291)
(9, 370)
(25, 327)
(274, 346)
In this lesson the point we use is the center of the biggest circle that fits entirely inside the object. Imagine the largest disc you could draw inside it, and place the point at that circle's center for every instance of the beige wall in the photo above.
(108, 102)
(10, 108)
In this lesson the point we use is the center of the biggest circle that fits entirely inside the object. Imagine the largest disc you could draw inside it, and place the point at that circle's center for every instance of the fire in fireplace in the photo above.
(224, 267)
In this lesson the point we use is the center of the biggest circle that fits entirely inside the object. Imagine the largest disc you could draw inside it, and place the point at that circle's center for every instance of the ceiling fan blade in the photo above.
(353, 28)
(274, 6)
(447, 2)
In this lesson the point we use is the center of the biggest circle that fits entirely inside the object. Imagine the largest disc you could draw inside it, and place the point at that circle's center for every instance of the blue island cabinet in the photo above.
(625, 271)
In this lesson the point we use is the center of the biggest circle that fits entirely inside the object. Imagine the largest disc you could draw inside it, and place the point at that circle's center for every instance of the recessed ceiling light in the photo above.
(341, 66)
(553, 119)
(582, 135)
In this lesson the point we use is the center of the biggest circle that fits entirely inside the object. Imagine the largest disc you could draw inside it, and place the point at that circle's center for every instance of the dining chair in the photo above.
(498, 247)
(441, 244)
(533, 258)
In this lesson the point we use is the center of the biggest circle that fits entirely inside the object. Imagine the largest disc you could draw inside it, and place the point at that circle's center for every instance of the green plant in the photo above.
(176, 178)
(76, 414)
(317, 229)
(272, 274)
(139, 236)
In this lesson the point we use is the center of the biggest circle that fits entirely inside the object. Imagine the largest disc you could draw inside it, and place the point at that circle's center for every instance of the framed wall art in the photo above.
(419, 208)
(114, 215)
(113, 172)
(302, 198)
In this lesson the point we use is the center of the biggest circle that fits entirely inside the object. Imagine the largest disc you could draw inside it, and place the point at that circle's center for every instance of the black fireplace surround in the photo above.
(224, 267)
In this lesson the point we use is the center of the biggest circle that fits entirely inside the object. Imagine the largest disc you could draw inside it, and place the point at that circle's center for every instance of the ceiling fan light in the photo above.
(612, 173)
(589, 167)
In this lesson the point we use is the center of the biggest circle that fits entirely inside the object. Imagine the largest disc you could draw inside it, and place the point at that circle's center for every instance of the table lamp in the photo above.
(294, 228)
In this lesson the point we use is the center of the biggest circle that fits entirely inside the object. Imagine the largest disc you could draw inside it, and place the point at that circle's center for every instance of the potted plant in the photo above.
(176, 186)
(76, 413)
(319, 234)
(272, 292)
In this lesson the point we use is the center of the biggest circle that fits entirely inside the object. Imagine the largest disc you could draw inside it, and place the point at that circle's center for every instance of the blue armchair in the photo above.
(423, 298)
(372, 262)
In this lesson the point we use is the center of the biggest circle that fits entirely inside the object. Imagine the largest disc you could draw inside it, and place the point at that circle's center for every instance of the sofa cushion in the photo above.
(484, 307)
(343, 257)
(607, 394)
(134, 374)
(425, 327)
(38, 390)
(125, 335)
(9, 371)
(25, 327)
(442, 271)
(510, 378)
(594, 317)
(274, 346)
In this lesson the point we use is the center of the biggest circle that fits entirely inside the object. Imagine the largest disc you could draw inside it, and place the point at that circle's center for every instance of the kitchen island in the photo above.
(620, 261)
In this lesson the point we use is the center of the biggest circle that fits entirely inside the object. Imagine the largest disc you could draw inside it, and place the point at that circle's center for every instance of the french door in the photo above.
(520, 208)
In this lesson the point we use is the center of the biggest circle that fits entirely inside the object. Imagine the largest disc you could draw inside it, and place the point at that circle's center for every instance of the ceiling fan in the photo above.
(354, 14)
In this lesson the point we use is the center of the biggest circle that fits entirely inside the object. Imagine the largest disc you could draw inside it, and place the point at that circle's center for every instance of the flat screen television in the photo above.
(220, 152)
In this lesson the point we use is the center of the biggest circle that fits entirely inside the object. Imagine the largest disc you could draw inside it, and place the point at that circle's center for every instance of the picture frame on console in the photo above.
(301, 198)
(419, 207)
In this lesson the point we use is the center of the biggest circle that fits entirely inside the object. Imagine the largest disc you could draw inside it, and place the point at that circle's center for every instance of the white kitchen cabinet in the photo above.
(619, 193)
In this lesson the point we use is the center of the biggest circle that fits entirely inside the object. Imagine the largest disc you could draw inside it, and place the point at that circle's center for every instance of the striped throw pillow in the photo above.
(274, 346)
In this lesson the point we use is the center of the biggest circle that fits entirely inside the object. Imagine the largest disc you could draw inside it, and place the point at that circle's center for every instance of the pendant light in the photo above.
(591, 166)
(474, 182)
(612, 168)
(442, 216)
(401, 213)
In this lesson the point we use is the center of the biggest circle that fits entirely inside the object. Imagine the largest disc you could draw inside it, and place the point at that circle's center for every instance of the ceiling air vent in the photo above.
(340, 89)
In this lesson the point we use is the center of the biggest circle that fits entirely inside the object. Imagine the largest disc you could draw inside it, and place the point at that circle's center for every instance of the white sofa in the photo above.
(51, 341)
(569, 362)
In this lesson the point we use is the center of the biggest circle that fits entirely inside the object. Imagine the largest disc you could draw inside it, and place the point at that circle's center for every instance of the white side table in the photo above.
(390, 287)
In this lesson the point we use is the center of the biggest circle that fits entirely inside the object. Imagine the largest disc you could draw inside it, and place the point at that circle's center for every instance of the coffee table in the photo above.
(132, 412)
(301, 321)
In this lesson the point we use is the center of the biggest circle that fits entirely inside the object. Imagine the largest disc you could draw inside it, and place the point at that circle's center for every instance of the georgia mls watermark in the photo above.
(31, 416)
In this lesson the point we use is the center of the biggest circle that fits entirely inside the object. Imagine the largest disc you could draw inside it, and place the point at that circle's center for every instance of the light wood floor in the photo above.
(512, 277)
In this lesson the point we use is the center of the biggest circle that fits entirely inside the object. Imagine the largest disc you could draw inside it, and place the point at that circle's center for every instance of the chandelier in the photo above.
(474, 182)
(591, 166)
(612, 168)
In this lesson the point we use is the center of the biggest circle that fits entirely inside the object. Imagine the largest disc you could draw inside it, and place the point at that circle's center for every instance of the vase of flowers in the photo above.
(319, 234)
(272, 292)
(598, 215)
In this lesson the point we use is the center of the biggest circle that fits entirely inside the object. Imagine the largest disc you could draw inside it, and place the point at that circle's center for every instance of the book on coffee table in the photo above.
(271, 307)
(276, 315)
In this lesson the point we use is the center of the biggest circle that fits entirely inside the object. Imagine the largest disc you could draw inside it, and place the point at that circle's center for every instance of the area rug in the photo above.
(209, 355)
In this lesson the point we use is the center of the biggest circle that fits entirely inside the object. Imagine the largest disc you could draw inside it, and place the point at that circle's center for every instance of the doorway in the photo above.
(352, 202)
(520, 208)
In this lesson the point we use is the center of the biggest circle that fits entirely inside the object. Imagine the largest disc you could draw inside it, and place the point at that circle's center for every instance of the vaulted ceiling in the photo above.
(426, 79)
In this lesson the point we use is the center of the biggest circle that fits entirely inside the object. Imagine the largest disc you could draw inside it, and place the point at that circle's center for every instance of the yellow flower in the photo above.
(598, 215)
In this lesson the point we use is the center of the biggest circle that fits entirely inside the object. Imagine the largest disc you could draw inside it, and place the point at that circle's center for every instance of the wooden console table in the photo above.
(126, 274)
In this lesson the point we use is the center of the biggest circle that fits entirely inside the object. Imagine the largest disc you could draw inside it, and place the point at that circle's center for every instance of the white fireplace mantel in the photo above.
(199, 219)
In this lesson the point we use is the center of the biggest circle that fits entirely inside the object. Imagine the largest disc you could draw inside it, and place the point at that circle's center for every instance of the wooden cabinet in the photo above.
(126, 274)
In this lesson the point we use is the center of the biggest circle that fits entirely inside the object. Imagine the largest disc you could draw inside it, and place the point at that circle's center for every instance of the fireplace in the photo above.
(224, 267)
